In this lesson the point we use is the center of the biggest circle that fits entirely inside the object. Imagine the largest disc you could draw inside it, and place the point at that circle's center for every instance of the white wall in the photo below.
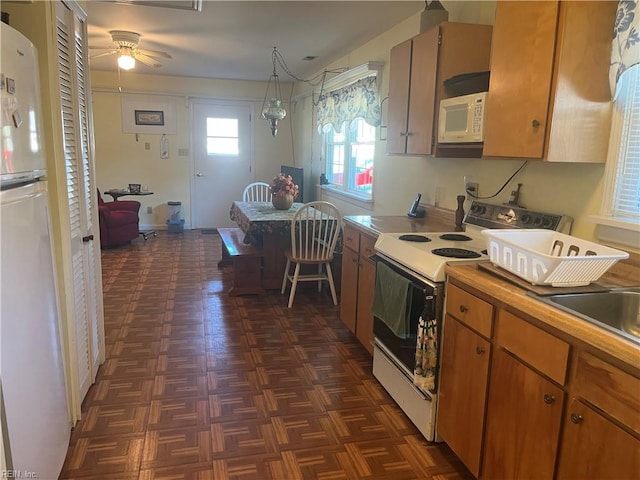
(122, 158)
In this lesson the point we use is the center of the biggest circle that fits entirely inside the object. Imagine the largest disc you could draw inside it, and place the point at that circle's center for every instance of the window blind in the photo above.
(626, 190)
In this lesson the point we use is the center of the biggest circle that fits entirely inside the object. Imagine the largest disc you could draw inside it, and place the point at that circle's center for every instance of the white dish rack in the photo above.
(545, 257)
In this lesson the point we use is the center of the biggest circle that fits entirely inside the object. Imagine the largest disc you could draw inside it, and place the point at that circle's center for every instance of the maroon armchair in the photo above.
(118, 221)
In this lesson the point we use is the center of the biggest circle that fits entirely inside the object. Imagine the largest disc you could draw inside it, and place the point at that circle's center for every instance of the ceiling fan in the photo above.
(125, 45)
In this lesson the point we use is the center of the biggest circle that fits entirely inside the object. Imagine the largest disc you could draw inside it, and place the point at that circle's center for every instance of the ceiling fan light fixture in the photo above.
(126, 60)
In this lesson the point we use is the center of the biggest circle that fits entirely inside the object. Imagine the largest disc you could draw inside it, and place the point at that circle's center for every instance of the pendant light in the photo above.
(272, 109)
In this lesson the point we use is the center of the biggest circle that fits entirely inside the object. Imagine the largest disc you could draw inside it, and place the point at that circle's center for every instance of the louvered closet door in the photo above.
(72, 60)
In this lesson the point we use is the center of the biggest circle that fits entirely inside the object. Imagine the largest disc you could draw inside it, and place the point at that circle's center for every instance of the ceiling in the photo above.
(235, 39)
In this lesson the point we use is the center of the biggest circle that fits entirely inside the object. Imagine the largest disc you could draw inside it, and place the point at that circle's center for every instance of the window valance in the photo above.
(625, 48)
(357, 100)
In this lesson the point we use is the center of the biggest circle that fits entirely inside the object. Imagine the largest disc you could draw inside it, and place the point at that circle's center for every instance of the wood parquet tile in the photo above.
(199, 385)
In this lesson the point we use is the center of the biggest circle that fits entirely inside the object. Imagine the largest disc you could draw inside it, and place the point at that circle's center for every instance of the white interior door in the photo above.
(88, 325)
(222, 160)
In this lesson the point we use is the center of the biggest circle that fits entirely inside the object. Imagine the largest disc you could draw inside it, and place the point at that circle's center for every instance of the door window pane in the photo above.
(222, 136)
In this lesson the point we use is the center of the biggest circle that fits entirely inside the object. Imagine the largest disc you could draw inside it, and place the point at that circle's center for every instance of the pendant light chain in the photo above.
(272, 109)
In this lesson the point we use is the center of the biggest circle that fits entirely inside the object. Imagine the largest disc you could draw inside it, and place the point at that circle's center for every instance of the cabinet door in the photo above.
(398, 110)
(594, 447)
(524, 413)
(422, 94)
(349, 289)
(366, 289)
(523, 43)
(462, 391)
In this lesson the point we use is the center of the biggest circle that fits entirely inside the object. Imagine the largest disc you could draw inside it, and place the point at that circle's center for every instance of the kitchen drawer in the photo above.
(351, 238)
(609, 388)
(470, 310)
(366, 245)
(536, 347)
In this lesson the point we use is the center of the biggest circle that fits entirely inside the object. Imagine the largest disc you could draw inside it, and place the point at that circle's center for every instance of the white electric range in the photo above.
(419, 260)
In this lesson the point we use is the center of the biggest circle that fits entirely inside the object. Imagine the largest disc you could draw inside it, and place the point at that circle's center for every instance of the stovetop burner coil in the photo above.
(455, 237)
(414, 238)
(455, 253)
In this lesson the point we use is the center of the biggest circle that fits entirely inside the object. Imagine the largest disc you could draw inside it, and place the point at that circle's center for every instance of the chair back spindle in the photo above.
(257, 192)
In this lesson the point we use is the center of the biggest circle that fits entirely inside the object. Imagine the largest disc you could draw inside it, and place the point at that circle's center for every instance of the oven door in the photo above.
(426, 300)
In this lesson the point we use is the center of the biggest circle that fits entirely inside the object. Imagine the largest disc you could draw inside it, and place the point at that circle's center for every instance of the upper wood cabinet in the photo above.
(549, 95)
(418, 68)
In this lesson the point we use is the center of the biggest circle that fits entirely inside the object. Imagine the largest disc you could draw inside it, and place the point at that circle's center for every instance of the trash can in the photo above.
(175, 224)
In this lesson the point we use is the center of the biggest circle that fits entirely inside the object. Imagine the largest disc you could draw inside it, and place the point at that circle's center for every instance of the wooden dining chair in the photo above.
(257, 192)
(315, 229)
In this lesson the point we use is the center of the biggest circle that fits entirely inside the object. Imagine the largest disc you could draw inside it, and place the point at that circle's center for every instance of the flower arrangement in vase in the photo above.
(283, 191)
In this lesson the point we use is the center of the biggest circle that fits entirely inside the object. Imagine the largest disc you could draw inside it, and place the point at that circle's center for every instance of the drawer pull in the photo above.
(479, 350)
(463, 309)
(535, 123)
(549, 399)
(575, 418)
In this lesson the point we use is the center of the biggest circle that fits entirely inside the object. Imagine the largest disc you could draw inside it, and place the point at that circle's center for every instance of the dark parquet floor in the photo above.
(200, 385)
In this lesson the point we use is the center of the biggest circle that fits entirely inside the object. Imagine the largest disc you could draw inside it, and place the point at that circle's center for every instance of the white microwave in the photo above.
(461, 119)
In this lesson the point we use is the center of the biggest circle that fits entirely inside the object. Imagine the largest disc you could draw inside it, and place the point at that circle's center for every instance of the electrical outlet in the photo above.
(472, 190)
(149, 209)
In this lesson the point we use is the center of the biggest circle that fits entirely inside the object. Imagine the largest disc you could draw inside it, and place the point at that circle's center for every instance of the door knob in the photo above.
(199, 174)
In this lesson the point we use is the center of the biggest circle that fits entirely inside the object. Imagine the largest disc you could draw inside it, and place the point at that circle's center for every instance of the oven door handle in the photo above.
(407, 273)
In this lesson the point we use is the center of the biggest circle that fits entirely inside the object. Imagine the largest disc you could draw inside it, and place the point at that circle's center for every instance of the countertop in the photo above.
(435, 220)
(516, 297)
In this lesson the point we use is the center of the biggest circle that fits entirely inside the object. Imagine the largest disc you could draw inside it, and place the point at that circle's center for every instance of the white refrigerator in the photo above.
(33, 399)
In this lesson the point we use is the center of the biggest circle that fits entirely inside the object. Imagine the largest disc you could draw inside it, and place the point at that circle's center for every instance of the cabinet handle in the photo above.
(535, 123)
(549, 399)
(463, 309)
(479, 350)
(575, 418)
(88, 238)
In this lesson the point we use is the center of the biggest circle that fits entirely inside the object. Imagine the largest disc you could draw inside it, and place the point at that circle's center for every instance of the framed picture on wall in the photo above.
(149, 117)
(148, 114)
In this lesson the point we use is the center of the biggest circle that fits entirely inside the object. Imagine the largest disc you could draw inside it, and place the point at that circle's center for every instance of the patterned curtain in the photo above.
(625, 49)
(357, 100)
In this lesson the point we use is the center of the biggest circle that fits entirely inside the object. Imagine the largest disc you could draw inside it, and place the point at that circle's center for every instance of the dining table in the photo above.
(269, 228)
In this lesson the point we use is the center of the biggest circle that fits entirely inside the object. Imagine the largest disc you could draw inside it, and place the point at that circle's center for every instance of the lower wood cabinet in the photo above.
(462, 391)
(358, 284)
(366, 289)
(594, 447)
(524, 413)
(504, 390)
(349, 291)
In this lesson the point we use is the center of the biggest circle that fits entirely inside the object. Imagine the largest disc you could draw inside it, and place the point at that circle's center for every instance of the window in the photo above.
(626, 180)
(347, 120)
(619, 222)
(349, 157)
(222, 136)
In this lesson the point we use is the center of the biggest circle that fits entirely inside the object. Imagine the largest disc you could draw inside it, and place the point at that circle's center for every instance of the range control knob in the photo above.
(537, 222)
(525, 218)
(546, 222)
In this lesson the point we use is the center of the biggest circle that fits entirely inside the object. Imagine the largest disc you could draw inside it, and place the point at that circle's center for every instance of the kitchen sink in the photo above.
(617, 310)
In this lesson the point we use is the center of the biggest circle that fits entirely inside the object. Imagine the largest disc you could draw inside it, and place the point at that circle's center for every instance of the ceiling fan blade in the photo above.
(95, 47)
(150, 62)
(154, 53)
(104, 54)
